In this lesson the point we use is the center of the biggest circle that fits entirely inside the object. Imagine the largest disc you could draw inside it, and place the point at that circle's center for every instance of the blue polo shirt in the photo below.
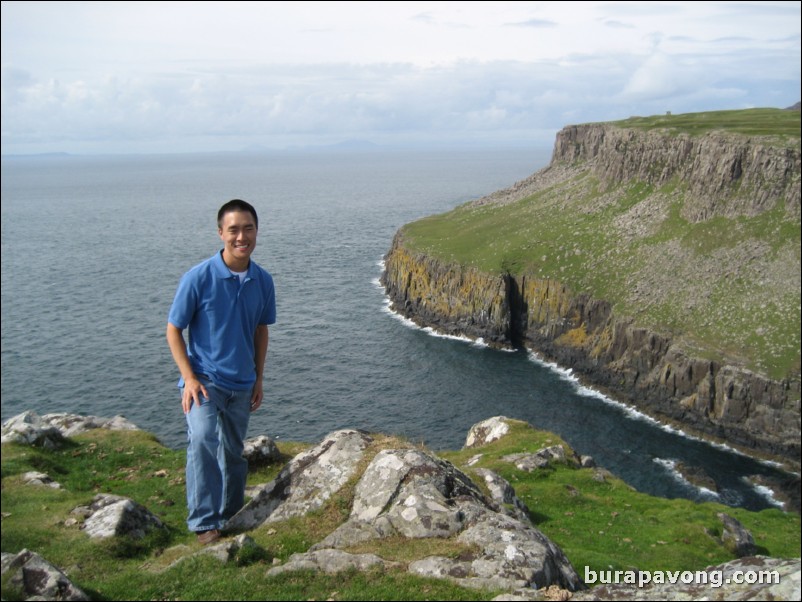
(222, 314)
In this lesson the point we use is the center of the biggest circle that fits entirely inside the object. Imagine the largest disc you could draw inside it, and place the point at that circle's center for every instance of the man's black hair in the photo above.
(236, 205)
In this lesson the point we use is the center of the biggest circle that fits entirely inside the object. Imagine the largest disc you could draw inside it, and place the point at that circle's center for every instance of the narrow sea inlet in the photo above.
(93, 247)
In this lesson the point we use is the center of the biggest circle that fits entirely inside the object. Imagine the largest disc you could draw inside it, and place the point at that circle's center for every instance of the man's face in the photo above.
(238, 233)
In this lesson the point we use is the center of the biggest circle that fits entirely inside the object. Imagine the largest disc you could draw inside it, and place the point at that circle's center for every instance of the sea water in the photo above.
(93, 248)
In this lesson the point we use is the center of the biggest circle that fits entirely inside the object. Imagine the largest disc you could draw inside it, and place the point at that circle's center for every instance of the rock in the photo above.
(113, 515)
(555, 452)
(697, 477)
(552, 592)
(29, 429)
(587, 462)
(413, 492)
(410, 493)
(230, 549)
(50, 430)
(512, 551)
(261, 450)
(600, 475)
(487, 431)
(504, 495)
(784, 488)
(526, 462)
(36, 579)
(473, 460)
(307, 481)
(330, 562)
(72, 424)
(540, 459)
(39, 478)
(735, 537)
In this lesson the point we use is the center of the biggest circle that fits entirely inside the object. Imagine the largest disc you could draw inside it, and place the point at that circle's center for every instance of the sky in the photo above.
(170, 77)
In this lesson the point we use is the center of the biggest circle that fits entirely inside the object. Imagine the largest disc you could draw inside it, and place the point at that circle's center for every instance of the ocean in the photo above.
(93, 248)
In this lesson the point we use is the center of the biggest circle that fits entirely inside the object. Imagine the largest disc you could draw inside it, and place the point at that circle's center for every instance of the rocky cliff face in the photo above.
(647, 369)
(725, 174)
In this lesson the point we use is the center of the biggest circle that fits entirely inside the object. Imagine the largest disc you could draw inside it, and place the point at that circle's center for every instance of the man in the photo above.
(227, 302)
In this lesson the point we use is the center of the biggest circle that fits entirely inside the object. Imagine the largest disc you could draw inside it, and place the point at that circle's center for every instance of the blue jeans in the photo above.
(216, 469)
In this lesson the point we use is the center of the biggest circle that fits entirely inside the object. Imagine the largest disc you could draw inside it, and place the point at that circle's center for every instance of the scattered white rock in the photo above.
(261, 450)
(487, 431)
(114, 515)
(39, 478)
(50, 430)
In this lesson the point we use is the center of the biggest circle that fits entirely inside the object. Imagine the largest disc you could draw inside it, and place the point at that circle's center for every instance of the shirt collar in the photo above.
(221, 270)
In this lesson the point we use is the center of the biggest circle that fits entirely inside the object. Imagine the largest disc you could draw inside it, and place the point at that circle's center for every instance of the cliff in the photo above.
(661, 265)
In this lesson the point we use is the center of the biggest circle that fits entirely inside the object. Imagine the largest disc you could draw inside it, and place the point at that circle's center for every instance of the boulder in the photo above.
(697, 477)
(487, 431)
(504, 494)
(511, 555)
(34, 578)
(28, 428)
(735, 537)
(112, 515)
(415, 492)
(410, 493)
(261, 450)
(306, 483)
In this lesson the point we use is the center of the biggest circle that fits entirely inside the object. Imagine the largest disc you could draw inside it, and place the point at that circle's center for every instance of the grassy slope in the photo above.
(727, 288)
(599, 524)
(751, 122)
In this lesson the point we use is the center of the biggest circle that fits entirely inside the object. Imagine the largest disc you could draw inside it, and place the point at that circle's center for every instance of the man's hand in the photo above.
(258, 394)
(193, 389)
(192, 393)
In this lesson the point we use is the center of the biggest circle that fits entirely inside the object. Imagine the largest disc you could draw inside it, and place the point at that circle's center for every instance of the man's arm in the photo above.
(260, 341)
(193, 388)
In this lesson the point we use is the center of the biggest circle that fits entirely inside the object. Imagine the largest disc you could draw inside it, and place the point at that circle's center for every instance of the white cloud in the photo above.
(661, 76)
(139, 76)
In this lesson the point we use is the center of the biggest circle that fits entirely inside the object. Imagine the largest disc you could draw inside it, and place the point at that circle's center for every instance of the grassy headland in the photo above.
(599, 523)
(781, 123)
(727, 288)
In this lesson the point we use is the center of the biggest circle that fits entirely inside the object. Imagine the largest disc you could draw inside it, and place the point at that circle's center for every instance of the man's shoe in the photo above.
(207, 537)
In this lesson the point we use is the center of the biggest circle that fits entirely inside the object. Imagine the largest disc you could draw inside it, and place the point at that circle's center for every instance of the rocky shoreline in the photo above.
(631, 364)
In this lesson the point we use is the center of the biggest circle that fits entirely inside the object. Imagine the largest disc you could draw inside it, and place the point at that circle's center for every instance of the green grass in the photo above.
(598, 524)
(608, 525)
(784, 125)
(135, 465)
(598, 521)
